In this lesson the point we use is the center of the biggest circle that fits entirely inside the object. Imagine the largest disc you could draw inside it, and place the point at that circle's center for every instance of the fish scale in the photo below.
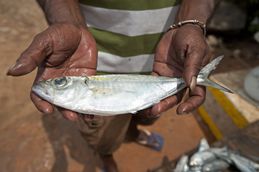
(129, 84)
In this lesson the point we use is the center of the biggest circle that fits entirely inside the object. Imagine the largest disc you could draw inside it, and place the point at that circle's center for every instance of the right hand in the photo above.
(60, 50)
(181, 52)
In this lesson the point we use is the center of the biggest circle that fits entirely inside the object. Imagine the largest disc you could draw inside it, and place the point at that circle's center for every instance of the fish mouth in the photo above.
(42, 90)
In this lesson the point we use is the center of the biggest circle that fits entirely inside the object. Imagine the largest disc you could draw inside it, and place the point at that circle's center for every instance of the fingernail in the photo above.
(158, 109)
(70, 117)
(182, 111)
(193, 83)
(10, 69)
(13, 68)
(73, 117)
(47, 111)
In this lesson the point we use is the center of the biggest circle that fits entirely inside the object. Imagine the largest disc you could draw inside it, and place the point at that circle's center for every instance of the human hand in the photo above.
(181, 53)
(60, 50)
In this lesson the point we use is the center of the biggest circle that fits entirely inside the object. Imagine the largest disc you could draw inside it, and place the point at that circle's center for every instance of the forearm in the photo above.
(62, 11)
(196, 9)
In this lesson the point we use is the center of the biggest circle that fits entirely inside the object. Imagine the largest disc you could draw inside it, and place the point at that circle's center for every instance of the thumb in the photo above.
(192, 67)
(38, 50)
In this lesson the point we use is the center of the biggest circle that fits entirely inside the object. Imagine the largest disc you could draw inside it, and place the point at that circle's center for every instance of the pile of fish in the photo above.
(208, 159)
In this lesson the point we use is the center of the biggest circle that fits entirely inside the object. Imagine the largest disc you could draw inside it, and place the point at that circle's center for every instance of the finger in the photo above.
(197, 97)
(192, 65)
(42, 105)
(164, 105)
(186, 94)
(38, 50)
(146, 113)
(69, 115)
(87, 117)
(204, 62)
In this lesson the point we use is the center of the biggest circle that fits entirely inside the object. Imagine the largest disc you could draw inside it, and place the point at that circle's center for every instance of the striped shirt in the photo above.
(127, 31)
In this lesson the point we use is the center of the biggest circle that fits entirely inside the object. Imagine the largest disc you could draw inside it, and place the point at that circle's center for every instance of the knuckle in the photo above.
(192, 67)
(42, 41)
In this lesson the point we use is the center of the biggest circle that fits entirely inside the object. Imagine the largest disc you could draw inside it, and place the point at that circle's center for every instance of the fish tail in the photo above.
(203, 77)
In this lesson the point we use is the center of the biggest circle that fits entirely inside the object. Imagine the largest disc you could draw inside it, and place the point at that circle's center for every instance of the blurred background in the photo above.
(32, 142)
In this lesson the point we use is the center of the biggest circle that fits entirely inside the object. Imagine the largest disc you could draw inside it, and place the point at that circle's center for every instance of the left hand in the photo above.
(181, 52)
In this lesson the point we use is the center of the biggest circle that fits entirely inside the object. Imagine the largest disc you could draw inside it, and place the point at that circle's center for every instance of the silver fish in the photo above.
(200, 158)
(243, 164)
(182, 164)
(215, 166)
(204, 145)
(108, 95)
(208, 159)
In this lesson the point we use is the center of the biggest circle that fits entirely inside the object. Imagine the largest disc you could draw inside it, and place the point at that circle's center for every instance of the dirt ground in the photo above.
(32, 142)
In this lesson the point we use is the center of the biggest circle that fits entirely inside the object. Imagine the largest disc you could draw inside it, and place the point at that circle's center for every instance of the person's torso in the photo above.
(127, 31)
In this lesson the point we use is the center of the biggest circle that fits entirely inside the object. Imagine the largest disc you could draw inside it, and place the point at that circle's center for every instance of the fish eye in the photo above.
(60, 82)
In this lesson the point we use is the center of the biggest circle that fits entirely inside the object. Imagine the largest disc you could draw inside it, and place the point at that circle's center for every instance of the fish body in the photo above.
(200, 158)
(108, 95)
(208, 159)
(244, 164)
(204, 145)
(182, 164)
(215, 166)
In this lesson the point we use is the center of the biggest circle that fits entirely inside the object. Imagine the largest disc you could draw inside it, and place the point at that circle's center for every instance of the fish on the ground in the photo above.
(244, 164)
(200, 158)
(215, 166)
(208, 159)
(182, 165)
(116, 94)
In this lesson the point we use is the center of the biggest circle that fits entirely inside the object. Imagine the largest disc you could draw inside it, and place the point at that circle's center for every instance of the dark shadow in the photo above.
(67, 142)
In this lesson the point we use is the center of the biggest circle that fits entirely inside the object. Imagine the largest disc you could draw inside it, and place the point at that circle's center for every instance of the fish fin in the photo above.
(203, 77)
(204, 145)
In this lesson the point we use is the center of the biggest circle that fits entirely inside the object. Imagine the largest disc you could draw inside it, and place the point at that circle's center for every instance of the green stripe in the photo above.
(125, 46)
(131, 4)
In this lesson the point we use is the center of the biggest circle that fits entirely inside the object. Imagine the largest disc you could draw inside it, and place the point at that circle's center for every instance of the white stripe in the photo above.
(130, 23)
(116, 64)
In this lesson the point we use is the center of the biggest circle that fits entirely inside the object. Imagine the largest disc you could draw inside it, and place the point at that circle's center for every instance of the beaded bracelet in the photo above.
(195, 22)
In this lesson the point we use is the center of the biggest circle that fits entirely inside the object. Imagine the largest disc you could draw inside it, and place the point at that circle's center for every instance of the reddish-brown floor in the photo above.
(51, 144)
(181, 134)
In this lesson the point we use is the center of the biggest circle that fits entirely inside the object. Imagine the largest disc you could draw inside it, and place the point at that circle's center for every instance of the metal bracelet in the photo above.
(195, 22)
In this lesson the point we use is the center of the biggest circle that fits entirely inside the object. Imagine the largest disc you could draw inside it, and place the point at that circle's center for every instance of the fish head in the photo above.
(60, 90)
(196, 160)
(201, 158)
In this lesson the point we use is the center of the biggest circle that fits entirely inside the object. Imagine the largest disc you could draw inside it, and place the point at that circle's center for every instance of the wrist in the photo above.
(195, 23)
(195, 9)
(62, 11)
